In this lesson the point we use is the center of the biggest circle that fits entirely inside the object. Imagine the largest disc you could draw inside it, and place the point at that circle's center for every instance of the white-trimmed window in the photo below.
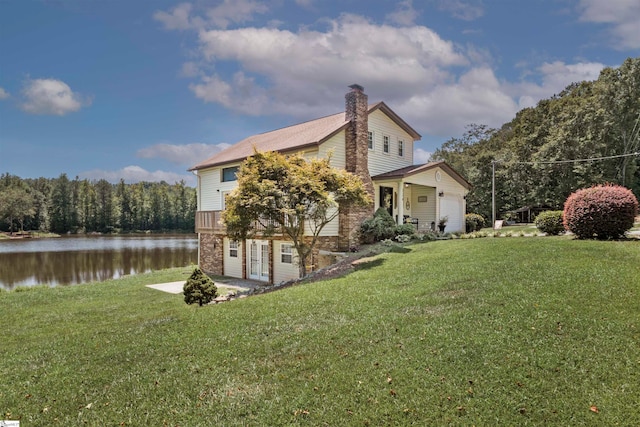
(233, 248)
(286, 253)
(385, 144)
(400, 148)
(229, 174)
(370, 140)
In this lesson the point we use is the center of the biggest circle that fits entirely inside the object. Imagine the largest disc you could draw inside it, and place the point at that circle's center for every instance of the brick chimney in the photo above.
(357, 162)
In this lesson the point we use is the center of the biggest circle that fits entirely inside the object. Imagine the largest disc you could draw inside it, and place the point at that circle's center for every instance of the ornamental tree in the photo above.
(199, 288)
(292, 196)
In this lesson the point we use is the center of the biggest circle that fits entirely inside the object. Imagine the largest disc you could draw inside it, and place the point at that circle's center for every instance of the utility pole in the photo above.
(493, 194)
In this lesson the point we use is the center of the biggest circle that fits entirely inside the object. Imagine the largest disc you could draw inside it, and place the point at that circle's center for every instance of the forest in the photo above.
(546, 152)
(61, 205)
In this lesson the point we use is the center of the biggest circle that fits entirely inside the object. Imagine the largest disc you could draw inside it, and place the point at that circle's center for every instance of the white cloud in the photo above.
(187, 154)
(622, 15)
(352, 49)
(420, 156)
(555, 77)
(234, 11)
(435, 84)
(477, 97)
(404, 15)
(51, 96)
(4, 94)
(133, 174)
(221, 16)
(179, 18)
(467, 10)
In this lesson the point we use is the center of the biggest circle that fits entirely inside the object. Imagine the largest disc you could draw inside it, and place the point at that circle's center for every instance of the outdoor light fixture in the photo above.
(441, 194)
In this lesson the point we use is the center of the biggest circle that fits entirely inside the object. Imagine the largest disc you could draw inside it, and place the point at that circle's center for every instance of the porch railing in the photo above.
(211, 222)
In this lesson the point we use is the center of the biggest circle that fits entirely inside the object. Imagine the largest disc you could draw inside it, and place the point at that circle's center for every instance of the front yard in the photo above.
(519, 331)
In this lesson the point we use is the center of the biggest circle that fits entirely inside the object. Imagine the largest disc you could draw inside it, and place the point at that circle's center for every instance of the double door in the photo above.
(259, 260)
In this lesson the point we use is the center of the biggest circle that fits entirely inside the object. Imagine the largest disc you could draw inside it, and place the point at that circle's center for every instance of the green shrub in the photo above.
(380, 227)
(474, 222)
(602, 212)
(405, 230)
(550, 222)
(199, 288)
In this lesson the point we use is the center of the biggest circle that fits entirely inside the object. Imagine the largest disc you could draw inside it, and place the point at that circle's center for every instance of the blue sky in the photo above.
(142, 90)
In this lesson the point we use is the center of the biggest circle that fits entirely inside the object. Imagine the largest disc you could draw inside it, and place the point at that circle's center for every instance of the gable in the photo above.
(306, 135)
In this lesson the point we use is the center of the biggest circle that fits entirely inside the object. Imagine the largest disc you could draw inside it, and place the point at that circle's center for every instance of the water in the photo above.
(82, 259)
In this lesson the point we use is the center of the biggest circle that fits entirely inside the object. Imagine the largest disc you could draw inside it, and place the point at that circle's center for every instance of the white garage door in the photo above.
(451, 207)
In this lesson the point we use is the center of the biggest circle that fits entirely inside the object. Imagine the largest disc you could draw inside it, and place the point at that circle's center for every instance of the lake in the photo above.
(72, 260)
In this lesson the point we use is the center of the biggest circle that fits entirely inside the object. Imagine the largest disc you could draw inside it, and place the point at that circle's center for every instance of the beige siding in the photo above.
(331, 229)
(425, 211)
(379, 162)
(336, 146)
(283, 272)
(232, 265)
(212, 188)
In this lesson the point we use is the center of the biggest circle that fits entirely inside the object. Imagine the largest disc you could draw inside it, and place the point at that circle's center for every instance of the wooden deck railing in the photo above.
(211, 222)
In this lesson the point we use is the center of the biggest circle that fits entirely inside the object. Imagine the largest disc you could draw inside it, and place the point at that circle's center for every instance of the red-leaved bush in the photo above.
(601, 212)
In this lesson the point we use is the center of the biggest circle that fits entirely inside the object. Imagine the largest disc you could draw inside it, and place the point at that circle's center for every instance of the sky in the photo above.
(142, 90)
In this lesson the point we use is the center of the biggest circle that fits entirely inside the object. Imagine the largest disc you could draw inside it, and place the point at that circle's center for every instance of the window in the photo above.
(286, 253)
(385, 144)
(233, 248)
(370, 140)
(401, 148)
(229, 174)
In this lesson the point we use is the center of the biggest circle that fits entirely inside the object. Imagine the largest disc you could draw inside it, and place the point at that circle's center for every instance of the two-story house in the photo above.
(369, 140)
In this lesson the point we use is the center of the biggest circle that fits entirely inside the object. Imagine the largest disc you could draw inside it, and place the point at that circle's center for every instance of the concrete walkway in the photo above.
(239, 285)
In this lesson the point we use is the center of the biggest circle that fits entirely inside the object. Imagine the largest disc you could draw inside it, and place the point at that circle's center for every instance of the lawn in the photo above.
(510, 331)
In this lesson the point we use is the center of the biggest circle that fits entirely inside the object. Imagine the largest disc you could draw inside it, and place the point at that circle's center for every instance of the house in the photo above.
(369, 140)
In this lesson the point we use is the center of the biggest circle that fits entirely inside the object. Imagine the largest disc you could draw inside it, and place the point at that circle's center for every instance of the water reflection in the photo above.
(56, 265)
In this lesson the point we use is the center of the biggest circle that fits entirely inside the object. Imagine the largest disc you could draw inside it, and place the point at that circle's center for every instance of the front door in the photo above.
(259, 260)
(386, 199)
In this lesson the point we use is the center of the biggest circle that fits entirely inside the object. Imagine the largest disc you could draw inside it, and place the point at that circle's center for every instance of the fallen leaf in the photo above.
(389, 379)
(89, 406)
(594, 409)
(392, 392)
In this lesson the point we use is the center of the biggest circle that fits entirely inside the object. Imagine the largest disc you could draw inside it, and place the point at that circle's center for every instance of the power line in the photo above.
(551, 162)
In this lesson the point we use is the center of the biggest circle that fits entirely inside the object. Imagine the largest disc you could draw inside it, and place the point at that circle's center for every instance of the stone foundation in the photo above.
(211, 254)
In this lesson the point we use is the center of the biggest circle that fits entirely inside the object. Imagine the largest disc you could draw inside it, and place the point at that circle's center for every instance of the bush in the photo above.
(199, 288)
(474, 222)
(550, 222)
(380, 227)
(405, 230)
(603, 212)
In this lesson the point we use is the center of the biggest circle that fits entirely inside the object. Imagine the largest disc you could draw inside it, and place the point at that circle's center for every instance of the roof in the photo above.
(415, 169)
(296, 137)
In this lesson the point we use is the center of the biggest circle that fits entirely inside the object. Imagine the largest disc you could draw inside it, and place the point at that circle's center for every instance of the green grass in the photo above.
(459, 332)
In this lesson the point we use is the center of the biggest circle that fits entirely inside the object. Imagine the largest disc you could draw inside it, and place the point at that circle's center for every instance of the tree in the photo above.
(15, 205)
(290, 195)
(61, 205)
(199, 288)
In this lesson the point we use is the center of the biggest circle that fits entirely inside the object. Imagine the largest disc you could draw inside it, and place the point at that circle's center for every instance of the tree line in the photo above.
(587, 120)
(61, 205)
